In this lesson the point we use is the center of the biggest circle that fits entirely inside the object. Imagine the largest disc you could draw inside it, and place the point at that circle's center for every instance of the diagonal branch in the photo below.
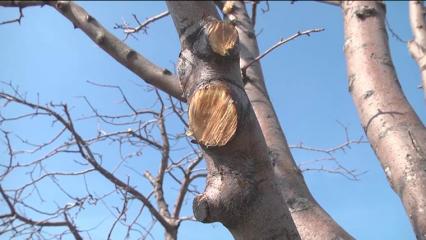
(142, 26)
(278, 44)
(135, 62)
(15, 214)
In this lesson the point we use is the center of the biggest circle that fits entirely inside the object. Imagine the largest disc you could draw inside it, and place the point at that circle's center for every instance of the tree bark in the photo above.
(395, 132)
(170, 234)
(311, 220)
(417, 46)
(241, 192)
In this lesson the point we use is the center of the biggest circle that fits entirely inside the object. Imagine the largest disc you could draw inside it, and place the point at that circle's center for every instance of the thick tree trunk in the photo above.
(311, 220)
(241, 192)
(396, 134)
(417, 46)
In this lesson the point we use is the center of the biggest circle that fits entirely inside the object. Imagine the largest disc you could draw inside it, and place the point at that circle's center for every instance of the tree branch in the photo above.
(18, 19)
(142, 26)
(135, 62)
(278, 44)
(87, 154)
(14, 213)
(313, 219)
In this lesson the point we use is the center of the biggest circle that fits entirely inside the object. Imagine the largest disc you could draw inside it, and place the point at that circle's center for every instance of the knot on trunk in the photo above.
(229, 192)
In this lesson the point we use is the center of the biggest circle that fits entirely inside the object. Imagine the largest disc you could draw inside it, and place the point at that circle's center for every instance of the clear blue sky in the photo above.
(306, 80)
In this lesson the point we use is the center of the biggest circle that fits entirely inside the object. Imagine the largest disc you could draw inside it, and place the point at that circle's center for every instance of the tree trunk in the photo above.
(311, 220)
(241, 192)
(171, 234)
(395, 132)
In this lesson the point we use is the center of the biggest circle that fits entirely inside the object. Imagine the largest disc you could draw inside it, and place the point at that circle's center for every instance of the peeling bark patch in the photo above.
(386, 60)
(388, 172)
(213, 115)
(368, 94)
(351, 79)
(222, 37)
(297, 204)
(273, 157)
(364, 12)
(409, 172)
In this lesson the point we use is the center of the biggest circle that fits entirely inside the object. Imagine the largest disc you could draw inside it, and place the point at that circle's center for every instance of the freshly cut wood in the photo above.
(228, 7)
(213, 115)
(222, 37)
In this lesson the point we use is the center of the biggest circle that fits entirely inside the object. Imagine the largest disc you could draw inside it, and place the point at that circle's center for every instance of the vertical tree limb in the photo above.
(311, 220)
(241, 191)
(395, 132)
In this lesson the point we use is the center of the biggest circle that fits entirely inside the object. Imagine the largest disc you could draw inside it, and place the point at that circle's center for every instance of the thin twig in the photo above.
(393, 33)
(278, 44)
(18, 19)
(141, 26)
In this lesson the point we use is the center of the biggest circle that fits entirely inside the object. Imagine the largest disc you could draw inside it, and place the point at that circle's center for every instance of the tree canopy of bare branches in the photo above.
(206, 134)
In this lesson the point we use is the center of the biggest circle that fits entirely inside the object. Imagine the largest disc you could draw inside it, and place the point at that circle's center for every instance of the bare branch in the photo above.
(142, 26)
(158, 187)
(72, 228)
(14, 213)
(278, 44)
(338, 168)
(185, 184)
(18, 19)
(159, 77)
(87, 154)
(393, 33)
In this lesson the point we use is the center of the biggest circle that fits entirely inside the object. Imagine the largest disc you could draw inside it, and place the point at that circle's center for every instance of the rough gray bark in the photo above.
(241, 192)
(417, 46)
(311, 220)
(395, 132)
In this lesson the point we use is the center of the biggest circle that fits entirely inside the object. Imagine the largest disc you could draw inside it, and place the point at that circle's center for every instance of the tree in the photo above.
(232, 119)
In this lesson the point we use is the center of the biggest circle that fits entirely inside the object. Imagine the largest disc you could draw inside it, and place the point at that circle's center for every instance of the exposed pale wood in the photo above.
(212, 115)
(222, 37)
(228, 7)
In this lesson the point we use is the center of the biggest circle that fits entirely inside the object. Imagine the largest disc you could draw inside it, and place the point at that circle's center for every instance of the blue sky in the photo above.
(306, 80)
